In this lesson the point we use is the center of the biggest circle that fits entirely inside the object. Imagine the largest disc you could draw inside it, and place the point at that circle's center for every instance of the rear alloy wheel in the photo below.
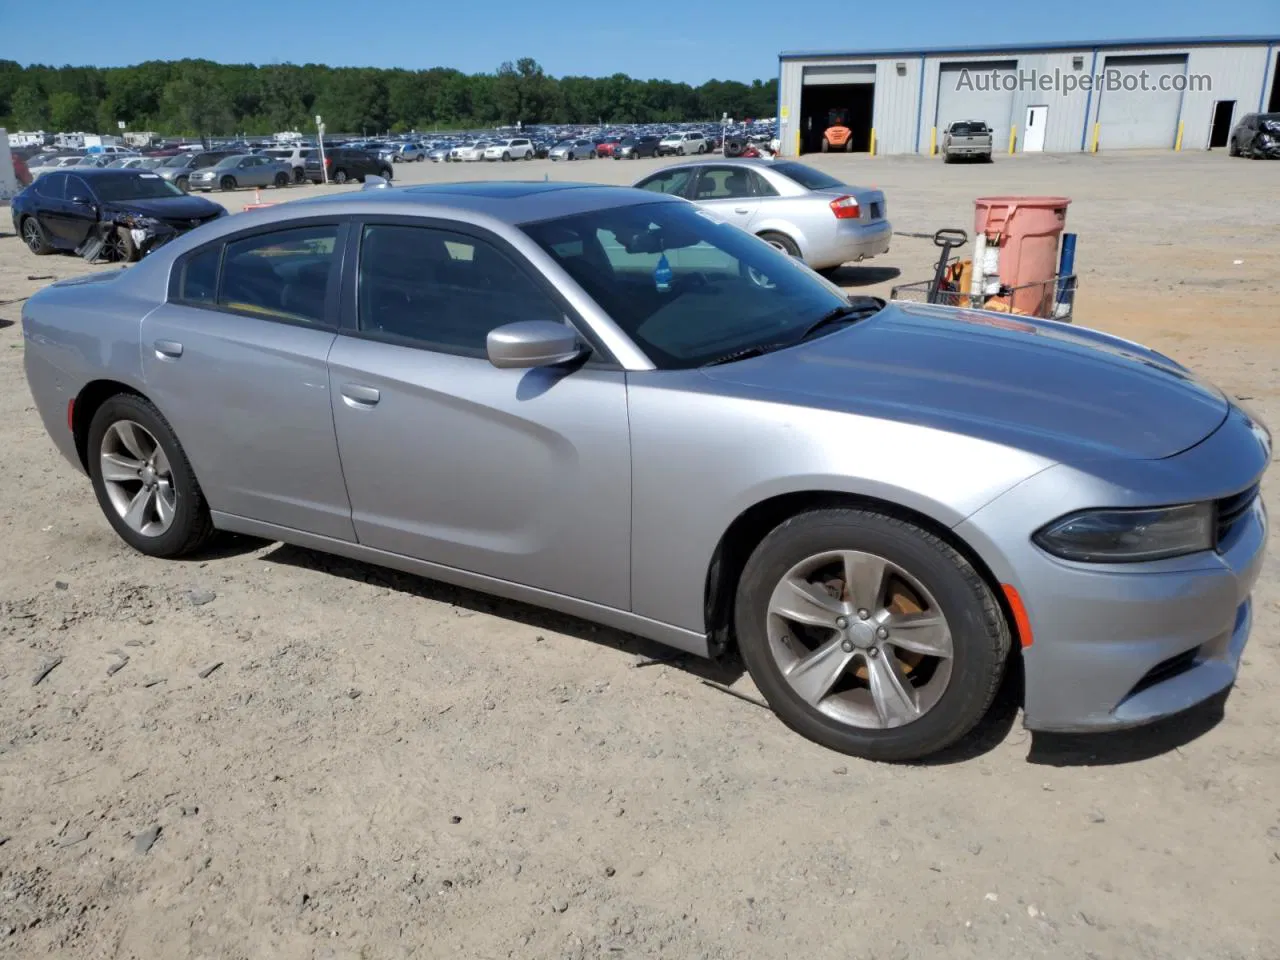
(780, 241)
(282, 180)
(339, 176)
(143, 481)
(870, 635)
(34, 237)
(227, 183)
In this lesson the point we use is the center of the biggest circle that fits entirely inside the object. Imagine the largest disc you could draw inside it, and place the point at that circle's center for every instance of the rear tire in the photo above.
(339, 176)
(781, 241)
(298, 175)
(826, 145)
(386, 174)
(190, 526)
(879, 699)
(35, 238)
(282, 180)
(1232, 149)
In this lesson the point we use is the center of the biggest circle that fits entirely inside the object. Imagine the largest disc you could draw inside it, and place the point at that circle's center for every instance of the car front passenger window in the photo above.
(442, 290)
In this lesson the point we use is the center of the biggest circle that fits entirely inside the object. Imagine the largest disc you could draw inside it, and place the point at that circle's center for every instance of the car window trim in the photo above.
(332, 284)
(349, 316)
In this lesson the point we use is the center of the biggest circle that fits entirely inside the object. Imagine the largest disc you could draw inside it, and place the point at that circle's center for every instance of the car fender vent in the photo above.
(1230, 510)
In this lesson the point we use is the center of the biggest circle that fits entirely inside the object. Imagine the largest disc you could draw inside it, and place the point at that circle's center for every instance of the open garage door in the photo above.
(1133, 112)
(978, 90)
(847, 92)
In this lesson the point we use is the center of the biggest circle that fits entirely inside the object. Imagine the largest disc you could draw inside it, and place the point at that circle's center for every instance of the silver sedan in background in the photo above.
(659, 423)
(802, 211)
(243, 170)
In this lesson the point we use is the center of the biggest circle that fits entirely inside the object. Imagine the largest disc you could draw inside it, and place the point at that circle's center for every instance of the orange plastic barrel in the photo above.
(1026, 231)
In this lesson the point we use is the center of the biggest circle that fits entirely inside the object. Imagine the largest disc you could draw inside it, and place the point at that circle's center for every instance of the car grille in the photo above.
(877, 211)
(1231, 510)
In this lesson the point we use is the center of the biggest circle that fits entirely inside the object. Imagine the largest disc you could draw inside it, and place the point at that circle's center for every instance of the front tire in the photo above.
(228, 183)
(143, 481)
(386, 174)
(869, 634)
(35, 238)
(183, 184)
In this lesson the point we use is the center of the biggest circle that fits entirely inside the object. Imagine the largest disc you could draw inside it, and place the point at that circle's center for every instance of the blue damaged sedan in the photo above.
(609, 402)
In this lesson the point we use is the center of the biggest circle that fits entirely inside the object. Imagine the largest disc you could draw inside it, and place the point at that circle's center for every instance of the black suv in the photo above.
(344, 163)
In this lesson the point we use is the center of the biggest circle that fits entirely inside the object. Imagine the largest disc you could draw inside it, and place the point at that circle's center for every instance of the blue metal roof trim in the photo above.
(1238, 40)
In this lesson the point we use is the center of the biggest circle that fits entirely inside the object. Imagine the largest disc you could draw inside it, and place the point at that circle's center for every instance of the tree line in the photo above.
(200, 98)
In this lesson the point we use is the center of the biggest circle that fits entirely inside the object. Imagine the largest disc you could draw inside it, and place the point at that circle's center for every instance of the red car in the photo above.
(21, 171)
(606, 145)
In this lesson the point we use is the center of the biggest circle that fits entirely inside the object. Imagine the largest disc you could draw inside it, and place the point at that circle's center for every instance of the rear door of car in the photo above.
(519, 475)
(726, 190)
(236, 360)
(52, 206)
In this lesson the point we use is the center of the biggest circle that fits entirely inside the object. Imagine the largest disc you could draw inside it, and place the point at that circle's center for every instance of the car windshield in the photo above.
(143, 186)
(807, 177)
(688, 288)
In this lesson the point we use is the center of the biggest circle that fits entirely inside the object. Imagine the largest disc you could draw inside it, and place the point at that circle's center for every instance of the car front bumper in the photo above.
(203, 183)
(1120, 645)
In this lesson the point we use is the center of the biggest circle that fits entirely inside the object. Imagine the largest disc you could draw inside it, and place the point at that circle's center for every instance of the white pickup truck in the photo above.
(968, 139)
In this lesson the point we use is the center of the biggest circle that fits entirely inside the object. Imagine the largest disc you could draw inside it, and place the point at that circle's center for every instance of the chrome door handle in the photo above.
(358, 395)
(170, 349)
(741, 209)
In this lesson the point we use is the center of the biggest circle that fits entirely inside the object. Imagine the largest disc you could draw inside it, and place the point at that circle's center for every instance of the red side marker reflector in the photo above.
(1021, 621)
(71, 414)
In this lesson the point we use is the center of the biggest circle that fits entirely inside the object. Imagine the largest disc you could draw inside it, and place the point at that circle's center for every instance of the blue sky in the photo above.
(692, 41)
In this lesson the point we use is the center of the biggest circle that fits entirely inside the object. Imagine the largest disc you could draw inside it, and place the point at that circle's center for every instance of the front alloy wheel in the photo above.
(869, 634)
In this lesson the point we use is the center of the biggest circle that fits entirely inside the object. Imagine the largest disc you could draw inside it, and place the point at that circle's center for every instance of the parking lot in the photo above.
(383, 766)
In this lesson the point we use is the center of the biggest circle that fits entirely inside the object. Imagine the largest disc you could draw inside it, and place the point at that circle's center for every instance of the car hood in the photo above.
(167, 208)
(1063, 392)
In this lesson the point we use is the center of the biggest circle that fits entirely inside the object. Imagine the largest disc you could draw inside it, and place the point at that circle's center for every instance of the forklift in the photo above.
(837, 135)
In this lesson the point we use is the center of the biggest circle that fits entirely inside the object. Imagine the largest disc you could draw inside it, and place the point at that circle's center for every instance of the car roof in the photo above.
(99, 173)
(512, 202)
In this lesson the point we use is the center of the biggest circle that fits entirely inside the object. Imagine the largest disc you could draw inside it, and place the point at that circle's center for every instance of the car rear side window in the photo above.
(199, 277)
(283, 275)
(51, 186)
(442, 290)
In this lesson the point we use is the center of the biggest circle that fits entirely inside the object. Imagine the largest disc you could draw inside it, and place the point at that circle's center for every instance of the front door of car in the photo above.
(726, 191)
(77, 213)
(521, 475)
(236, 360)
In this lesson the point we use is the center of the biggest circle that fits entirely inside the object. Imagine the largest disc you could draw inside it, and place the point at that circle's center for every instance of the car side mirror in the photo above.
(532, 343)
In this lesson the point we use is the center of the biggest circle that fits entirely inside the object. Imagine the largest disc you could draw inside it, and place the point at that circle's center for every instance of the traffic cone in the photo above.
(257, 194)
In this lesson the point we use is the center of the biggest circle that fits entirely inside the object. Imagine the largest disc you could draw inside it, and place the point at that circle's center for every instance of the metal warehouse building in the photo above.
(1175, 94)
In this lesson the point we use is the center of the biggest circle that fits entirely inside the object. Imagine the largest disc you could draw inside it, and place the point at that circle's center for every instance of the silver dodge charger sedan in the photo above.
(612, 403)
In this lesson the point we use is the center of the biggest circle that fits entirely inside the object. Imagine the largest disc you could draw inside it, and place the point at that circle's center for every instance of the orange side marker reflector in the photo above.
(71, 414)
(1021, 621)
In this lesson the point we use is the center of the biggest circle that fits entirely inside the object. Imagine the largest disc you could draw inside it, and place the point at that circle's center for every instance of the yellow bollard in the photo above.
(1096, 129)
(873, 141)
(797, 153)
(1177, 144)
(1013, 136)
(933, 141)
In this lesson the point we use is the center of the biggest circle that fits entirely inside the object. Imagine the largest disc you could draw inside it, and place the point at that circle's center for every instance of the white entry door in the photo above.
(1033, 133)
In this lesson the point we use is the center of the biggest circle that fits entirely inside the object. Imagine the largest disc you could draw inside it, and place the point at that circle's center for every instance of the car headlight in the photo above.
(1130, 536)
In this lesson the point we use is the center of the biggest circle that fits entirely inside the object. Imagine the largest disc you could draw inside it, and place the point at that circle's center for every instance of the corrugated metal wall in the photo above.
(1237, 72)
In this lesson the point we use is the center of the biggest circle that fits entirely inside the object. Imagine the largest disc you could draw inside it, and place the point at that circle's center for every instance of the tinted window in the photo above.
(720, 290)
(199, 280)
(441, 289)
(806, 176)
(143, 186)
(283, 274)
(51, 185)
(674, 182)
(78, 189)
(760, 187)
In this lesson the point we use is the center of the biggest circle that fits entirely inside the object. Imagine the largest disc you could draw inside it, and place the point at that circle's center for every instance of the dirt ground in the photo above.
(383, 767)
